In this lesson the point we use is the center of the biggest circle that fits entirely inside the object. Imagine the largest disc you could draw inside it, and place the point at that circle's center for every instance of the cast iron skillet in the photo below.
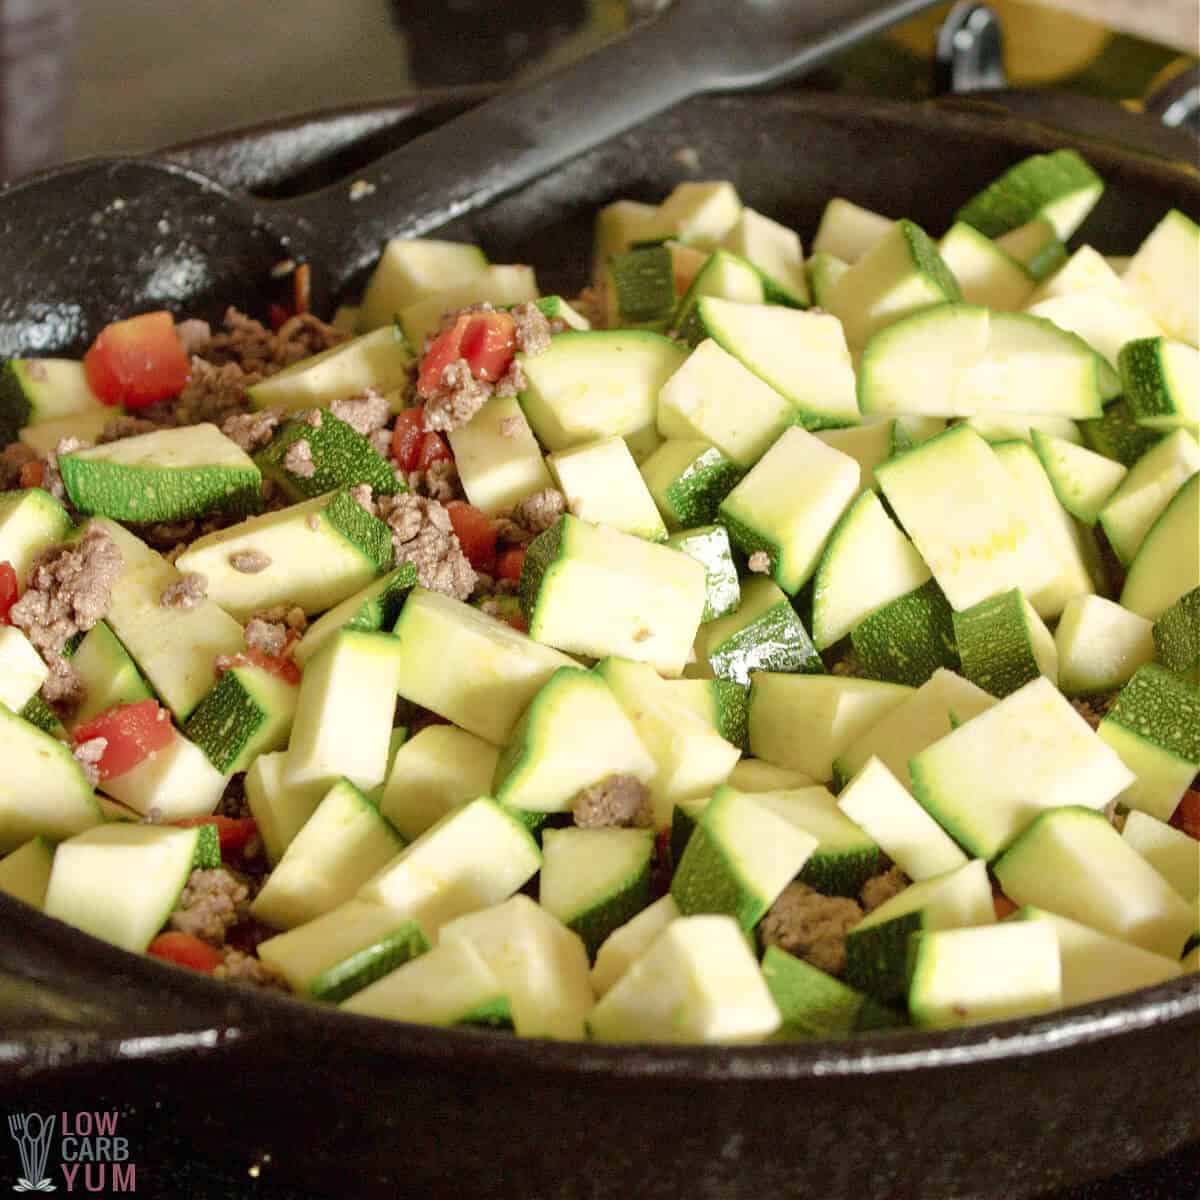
(351, 1106)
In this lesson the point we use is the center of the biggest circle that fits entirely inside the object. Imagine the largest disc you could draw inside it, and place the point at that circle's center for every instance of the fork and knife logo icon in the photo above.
(32, 1133)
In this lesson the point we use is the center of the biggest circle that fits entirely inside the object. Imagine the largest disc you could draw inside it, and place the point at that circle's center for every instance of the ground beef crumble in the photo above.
(88, 755)
(267, 636)
(881, 888)
(51, 477)
(759, 562)
(253, 430)
(257, 350)
(249, 562)
(213, 900)
(811, 926)
(365, 414)
(360, 493)
(457, 398)
(423, 535)
(193, 334)
(120, 428)
(533, 515)
(298, 459)
(617, 799)
(532, 329)
(212, 393)
(1093, 709)
(440, 482)
(240, 967)
(13, 460)
(186, 592)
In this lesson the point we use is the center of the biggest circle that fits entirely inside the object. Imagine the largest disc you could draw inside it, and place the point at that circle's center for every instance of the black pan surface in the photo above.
(353, 1107)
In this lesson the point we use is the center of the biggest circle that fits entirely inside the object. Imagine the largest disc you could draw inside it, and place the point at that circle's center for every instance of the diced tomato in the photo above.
(510, 563)
(277, 664)
(406, 437)
(8, 590)
(133, 733)
(1187, 814)
(1003, 905)
(433, 449)
(33, 474)
(233, 832)
(487, 340)
(476, 535)
(138, 361)
(489, 344)
(278, 315)
(185, 950)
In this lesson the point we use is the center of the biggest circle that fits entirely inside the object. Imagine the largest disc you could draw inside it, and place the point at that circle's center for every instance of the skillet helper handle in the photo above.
(692, 47)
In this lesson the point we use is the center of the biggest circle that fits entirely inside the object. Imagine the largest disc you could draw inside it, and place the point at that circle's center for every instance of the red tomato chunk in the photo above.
(138, 361)
(133, 732)
(185, 950)
(8, 590)
(476, 535)
(487, 340)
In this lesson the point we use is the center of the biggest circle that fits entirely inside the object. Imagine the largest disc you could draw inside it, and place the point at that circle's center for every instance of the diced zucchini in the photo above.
(618, 226)
(640, 288)
(775, 251)
(409, 269)
(1086, 271)
(625, 945)
(846, 855)
(813, 1004)
(1082, 480)
(498, 285)
(877, 947)
(555, 308)
(344, 712)
(339, 455)
(36, 390)
(248, 712)
(30, 521)
(595, 880)
(344, 843)
(1073, 547)
(437, 769)
(688, 479)
(472, 669)
(595, 384)
(279, 810)
(380, 359)
(167, 475)
(602, 485)
(1036, 246)
(1071, 861)
(764, 633)
(173, 647)
(698, 982)
(1167, 564)
(709, 546)
(374, 608)
(1161, 381)
(450, 985)
(972, 361)
(41, 716)
(1146, 491)
(875, 800)
(909, 638)
(1177, 636)
(1096, 966)
(919, 720)
(108, 674)
(592, 590)
(900, 275)
(178, 781)
(544, 764)
(1155, 728)
(42, 789)
(499, 460)
(1104, 322)
(867, 563)
(765, 514)
(1022, 425)
(967, 976)
(724, 276)
(722, 704)
(1164, 276)
(1118, 436)
(801, 355)
(986, 273)
(1058, 187)
(701, 212)
(25, 873)
(965, 516)
(848, 231)
(120, 881)
(1003, 644)
(345, 950)
(740, 856)
(754, 775)
(541, 965)
(870, 445)
(1100, 645)
(316, 554)
(693, 404)
(984, 794)
(1170, 851)
(832, 710)
(22, 671)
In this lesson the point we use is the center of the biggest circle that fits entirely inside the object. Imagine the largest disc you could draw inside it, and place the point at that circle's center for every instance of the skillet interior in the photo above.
(998, 1111)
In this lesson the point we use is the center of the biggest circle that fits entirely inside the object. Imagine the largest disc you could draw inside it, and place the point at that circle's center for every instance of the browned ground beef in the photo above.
(618, 799)
(423, 535)
(213, 900)
(881, 888)
(811, 926)
(533, 515)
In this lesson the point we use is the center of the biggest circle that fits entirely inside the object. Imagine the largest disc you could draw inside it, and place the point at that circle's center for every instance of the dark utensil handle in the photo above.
(693, 47)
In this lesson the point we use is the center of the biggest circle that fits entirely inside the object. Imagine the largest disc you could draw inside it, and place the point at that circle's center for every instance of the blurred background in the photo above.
(99, 76)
